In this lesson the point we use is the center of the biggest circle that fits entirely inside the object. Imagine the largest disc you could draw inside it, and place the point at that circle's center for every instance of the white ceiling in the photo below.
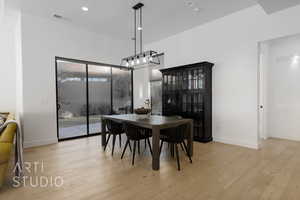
(162, 18)
(271, 6)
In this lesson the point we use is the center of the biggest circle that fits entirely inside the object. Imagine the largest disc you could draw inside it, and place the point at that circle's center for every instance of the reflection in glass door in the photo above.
(122, 90)
(71, 99)
(156, 97)
(80, 103)
(99, 88)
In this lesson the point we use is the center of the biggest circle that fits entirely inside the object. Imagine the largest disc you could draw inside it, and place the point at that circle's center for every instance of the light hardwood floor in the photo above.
(218, 171)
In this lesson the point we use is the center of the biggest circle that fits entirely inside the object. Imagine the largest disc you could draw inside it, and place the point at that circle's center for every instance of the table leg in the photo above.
(191, 138)
(155, 148)
(103, 133)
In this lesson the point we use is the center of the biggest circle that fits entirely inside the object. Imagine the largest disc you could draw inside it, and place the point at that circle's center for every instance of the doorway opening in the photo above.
(279, 96)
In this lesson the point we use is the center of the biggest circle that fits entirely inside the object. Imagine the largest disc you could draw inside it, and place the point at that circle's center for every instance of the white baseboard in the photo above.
(235, 142)
(36, 143)
(292, 138)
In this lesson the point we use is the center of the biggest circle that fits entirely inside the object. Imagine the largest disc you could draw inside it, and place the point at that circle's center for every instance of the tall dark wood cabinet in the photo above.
(187, 91)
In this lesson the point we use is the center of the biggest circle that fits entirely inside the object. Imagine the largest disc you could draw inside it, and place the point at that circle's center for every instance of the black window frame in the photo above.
(87, 63)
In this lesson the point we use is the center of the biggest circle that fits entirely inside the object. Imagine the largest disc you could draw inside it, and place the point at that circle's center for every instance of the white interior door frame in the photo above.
(261, 106)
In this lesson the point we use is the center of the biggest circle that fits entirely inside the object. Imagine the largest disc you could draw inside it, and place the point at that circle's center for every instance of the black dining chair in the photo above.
(148, 132)
(135, 134)
(166, 132)
(114, 129)
(175, 136)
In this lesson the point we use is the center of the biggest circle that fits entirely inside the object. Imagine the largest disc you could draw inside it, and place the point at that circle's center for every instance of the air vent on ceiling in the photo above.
(57, 16)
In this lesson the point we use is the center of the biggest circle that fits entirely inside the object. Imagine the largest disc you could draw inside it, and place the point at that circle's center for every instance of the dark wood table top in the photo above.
(153, 120)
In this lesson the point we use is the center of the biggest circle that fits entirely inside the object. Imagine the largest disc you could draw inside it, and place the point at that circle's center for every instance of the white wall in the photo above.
(231, 43)
(2, 10)
(8, 25)
(282, 88)
(42, 40)
(19, 69)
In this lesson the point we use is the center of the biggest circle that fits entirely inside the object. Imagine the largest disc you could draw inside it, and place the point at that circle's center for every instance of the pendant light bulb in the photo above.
(127, 63)
(138, 60)
(144, 59)
(132, 62)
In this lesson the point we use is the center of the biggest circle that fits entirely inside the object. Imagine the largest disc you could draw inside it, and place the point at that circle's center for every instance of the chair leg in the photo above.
(177, 155)
(145, 144)
(172, 150)
(120, 140)
(107, 141)
(191, 161)
(182, 148)
(187, 152)
(185, 147)
(130, 146)
(149, 146)
(161, 145)
(139, 150)
(113, 144)
(134, 146)
(127, 142)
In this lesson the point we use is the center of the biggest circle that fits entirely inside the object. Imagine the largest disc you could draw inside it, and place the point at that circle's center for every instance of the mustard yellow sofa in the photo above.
(6, 145)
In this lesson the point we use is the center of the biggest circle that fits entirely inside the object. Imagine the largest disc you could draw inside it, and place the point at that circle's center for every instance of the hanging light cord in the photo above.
(134, 32)
(141, 31)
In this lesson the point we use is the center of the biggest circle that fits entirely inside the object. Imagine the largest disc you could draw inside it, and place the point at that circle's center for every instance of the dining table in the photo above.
(154, 122)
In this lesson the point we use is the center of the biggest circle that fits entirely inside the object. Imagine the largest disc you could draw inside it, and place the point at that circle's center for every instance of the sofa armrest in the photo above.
(8, 134)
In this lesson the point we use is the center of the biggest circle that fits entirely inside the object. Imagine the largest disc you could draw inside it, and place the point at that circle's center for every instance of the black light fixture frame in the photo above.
(142, 54)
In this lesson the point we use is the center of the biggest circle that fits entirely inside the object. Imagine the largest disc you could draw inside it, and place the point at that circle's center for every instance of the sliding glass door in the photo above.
(71, 99)
(85, 91)
(99, 88)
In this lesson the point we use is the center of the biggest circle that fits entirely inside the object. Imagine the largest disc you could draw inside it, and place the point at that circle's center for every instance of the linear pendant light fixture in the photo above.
(143, 58)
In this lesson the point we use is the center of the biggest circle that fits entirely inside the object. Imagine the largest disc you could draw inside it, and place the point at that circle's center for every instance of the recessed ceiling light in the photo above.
(196, 9)
(84, 8)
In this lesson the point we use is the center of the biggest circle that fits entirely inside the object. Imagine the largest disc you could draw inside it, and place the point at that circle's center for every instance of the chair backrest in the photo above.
(178, 133)
(132, 131)
(114, 127)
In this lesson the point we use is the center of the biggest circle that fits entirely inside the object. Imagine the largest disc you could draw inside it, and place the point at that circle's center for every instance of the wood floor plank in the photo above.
(218, 172)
